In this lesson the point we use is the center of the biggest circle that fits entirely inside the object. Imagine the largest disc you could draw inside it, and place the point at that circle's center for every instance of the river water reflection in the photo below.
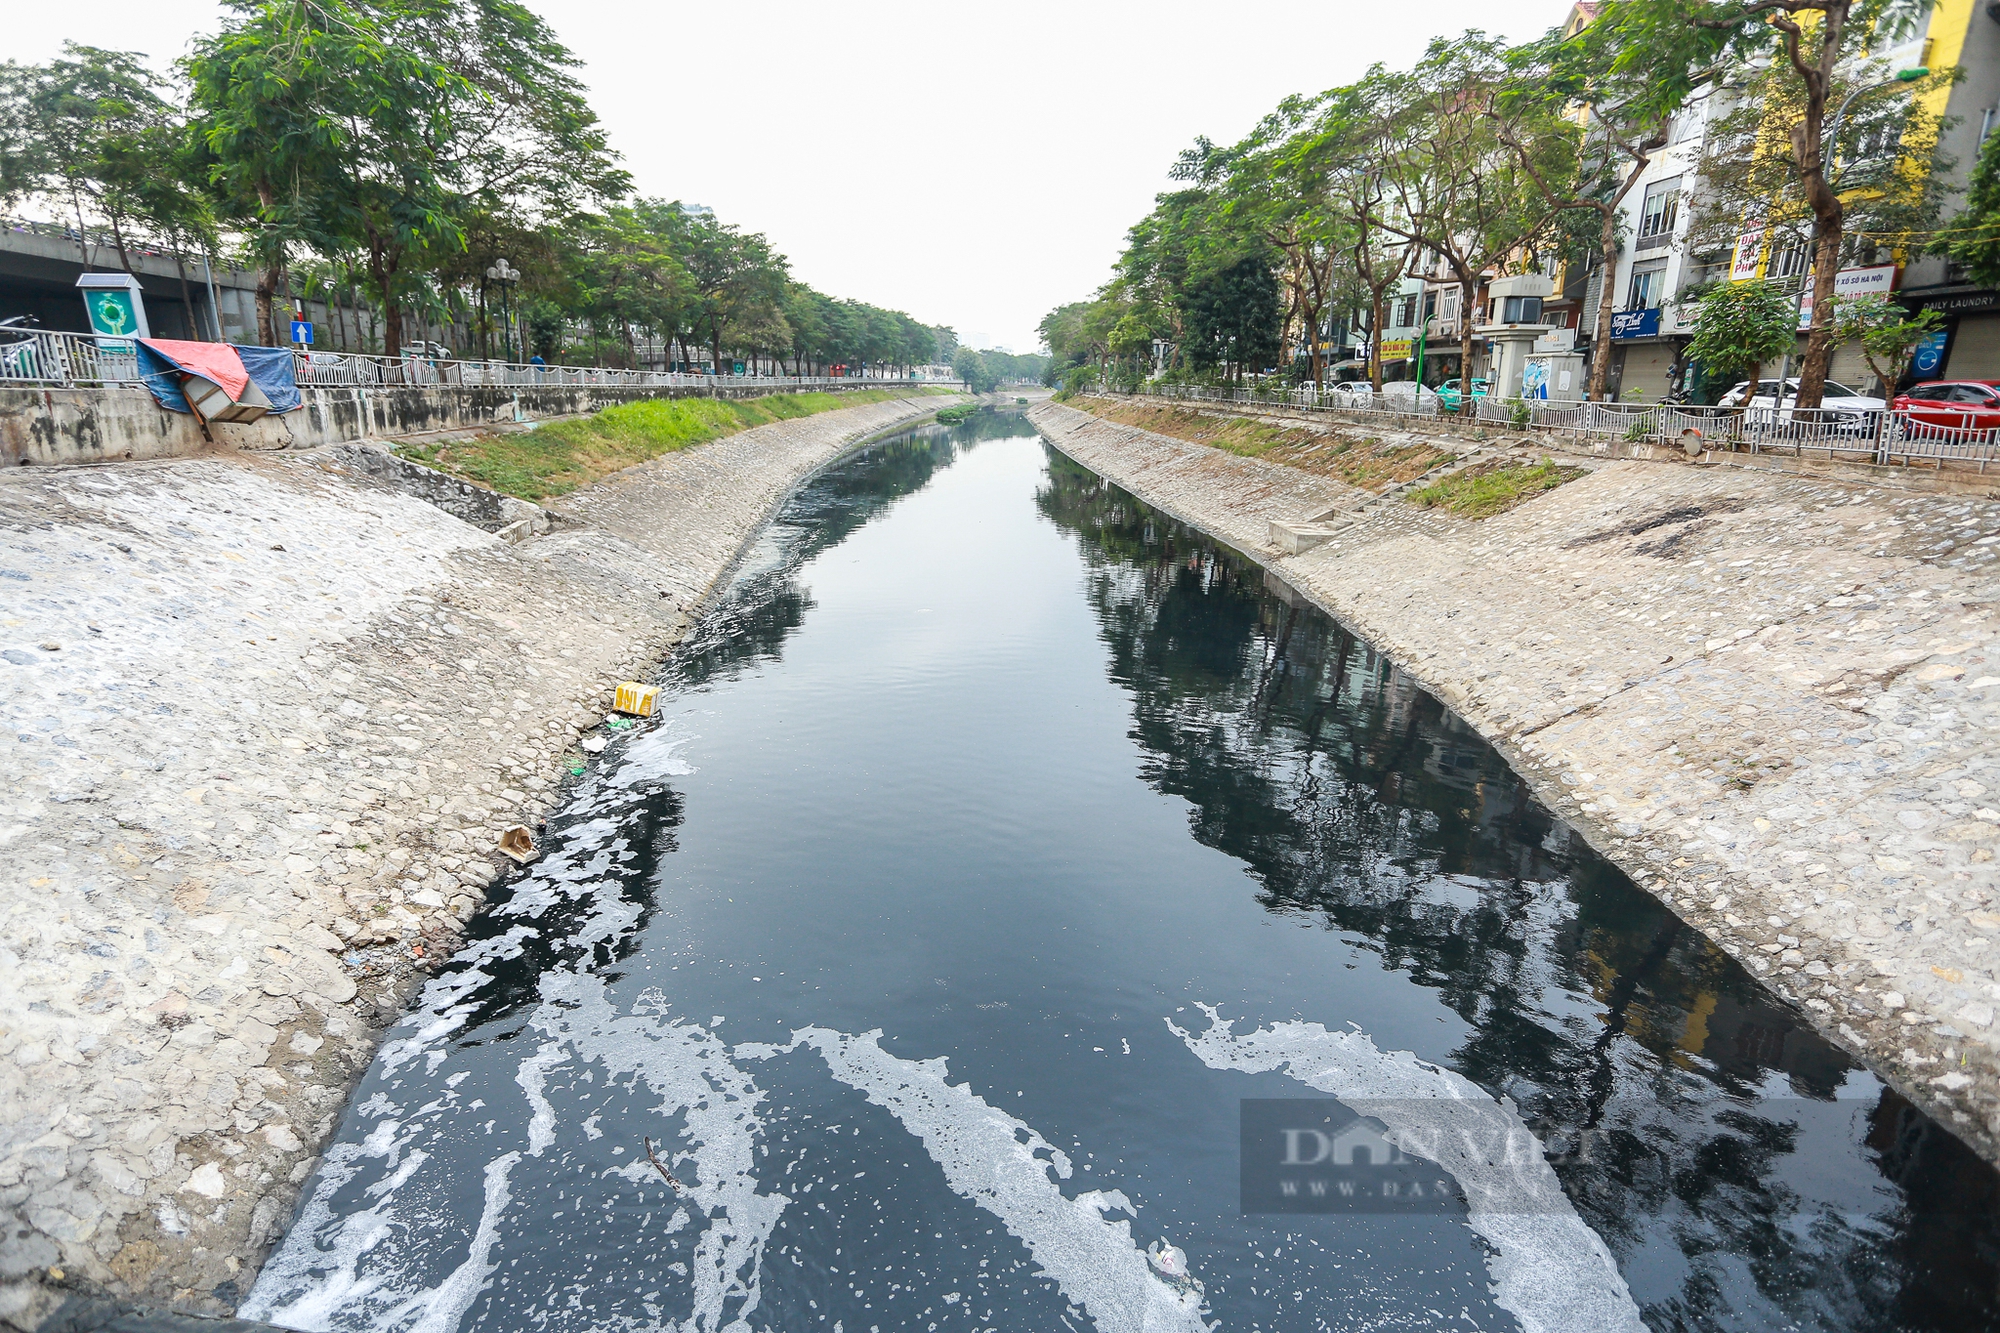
(998, 839)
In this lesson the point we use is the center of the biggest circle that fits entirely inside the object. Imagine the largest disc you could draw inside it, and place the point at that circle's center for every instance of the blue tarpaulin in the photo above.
(269, 368)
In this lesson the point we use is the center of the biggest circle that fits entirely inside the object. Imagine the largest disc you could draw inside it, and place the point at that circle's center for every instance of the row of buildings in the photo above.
(1650, 333)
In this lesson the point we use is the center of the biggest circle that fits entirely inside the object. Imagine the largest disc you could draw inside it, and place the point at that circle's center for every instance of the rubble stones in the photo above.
(260, 787)
(1773, 700)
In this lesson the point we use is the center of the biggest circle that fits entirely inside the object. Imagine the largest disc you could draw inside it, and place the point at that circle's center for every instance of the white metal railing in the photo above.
(1927, 437)
(76, 360)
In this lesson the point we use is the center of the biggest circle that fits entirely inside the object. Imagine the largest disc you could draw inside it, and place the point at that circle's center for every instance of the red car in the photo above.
(1953, 404)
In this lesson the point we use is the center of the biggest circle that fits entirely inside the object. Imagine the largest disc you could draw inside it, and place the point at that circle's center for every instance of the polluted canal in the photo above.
(1023, 915)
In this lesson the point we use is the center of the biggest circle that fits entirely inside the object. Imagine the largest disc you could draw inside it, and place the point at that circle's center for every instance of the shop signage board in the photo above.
(1849, 283)
(1635, 324)
(1743, 264)
(1397, 349)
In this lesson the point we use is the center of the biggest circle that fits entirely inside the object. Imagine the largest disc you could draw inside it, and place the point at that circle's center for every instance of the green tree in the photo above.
(280, 97)
(1973, 239)
(1738, 326)
(1802, 57)
(1887, 332)
(383, 125)
(1459, 186)
(1344, 148)
(71, 132)
(1627, 108)
(971, 367)
(1234, 318)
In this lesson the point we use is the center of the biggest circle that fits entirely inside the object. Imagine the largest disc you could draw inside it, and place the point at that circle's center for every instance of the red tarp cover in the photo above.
(211, 361)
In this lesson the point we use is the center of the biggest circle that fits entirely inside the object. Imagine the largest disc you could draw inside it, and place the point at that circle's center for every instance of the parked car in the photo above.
(1836, 397)
(1952, 404)
(1352, 392)
(1450, 396)
(1847, 412)
(1407, 393)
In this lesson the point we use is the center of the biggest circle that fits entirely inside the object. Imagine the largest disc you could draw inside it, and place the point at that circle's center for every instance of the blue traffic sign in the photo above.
(302, 331)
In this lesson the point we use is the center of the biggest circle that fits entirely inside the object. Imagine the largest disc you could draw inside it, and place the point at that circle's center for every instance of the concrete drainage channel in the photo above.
(1769, 698)
(296, 700)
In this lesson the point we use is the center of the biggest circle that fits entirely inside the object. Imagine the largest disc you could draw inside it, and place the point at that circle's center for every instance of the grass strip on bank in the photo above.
(1493, 488)
(561, 456)
(1356, 460)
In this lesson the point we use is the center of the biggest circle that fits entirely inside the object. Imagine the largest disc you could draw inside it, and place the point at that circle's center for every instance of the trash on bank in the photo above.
(1170, 1262)
(636, 699)
(595, 744)
(519, 844)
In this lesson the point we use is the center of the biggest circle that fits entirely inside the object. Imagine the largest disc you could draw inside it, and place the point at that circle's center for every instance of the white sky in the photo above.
(974, 165)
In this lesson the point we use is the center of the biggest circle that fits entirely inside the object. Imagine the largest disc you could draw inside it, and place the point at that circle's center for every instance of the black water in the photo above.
(982, 753)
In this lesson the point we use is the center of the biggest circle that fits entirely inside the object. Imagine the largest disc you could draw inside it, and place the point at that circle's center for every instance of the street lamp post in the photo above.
(505, 277)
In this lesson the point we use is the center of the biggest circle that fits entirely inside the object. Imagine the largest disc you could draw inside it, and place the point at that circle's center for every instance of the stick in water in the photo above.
(678, 1187)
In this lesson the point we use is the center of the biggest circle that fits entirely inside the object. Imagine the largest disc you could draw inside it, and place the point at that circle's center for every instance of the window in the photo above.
(1647, 287)
(1521, 310)
(1448, 308)
(1430, 305)
(1878, 140)
(1406, 312)
(1661, 209)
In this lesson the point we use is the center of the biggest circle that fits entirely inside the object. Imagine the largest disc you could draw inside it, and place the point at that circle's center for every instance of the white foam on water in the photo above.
(691, 1070)
(533, 1077)
(443, 1307)
(314, 1279)
(654, 753)
(377, 1269)
(995, 1161)
(1549, 1269)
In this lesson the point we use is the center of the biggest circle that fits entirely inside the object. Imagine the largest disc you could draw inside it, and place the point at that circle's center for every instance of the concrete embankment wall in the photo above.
(126, 424)
(264, 722)
(1773, 700)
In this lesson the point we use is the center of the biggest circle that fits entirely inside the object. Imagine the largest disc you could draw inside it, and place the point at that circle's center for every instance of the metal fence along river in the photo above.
(1871, 436)
(76, 360)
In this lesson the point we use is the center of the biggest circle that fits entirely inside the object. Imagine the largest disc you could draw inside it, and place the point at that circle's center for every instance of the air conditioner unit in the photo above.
(211, 402)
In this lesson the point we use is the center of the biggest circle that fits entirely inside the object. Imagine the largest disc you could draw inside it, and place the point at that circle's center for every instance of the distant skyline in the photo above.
(970, 170)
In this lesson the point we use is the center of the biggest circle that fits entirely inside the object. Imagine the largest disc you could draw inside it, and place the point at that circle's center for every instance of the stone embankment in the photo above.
(1773, 700)
(265, 718)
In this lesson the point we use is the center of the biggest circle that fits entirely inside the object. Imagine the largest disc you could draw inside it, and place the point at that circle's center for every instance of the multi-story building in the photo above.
(1650, 332)
(1965, 33)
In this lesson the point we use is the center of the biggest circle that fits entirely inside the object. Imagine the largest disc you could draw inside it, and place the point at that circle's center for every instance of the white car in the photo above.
(1835, 398)
(1402, 393)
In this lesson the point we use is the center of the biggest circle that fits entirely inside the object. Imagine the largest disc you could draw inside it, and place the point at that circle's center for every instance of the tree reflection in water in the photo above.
(1694, 1116)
